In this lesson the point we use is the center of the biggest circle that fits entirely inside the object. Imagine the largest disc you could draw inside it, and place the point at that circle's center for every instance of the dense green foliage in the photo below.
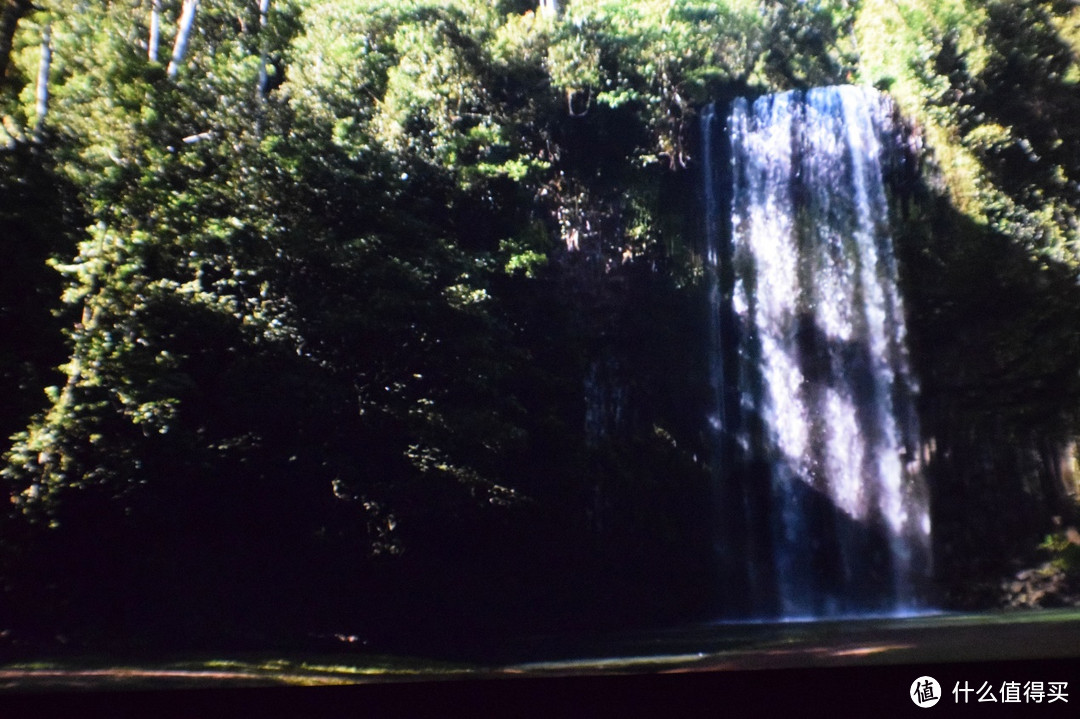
(415, 319)
(992, 256)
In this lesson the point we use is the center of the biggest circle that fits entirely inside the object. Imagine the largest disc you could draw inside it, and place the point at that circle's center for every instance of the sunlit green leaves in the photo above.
(987, 81)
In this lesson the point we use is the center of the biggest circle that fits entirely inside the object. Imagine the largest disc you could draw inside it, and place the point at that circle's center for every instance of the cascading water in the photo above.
(823, 510)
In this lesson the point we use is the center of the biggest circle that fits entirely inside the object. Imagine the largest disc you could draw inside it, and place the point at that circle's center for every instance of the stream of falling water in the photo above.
(824, 510)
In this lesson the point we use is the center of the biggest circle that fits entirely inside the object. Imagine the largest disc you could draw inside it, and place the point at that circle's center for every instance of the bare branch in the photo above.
(192, 139)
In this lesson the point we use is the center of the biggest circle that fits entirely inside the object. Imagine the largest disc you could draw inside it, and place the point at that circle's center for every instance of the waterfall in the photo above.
(823, 511)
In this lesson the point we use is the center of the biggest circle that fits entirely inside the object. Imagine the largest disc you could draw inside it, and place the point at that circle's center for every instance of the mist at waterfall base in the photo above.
(821, 508)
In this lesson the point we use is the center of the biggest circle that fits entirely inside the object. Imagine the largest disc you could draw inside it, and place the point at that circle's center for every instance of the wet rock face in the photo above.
(1054, 583)
(1046, 586)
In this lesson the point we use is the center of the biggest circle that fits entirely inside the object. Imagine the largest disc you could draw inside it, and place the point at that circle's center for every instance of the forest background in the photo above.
(386, 317)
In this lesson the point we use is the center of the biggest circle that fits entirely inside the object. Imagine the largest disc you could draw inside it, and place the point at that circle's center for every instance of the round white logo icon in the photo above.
(925, 692)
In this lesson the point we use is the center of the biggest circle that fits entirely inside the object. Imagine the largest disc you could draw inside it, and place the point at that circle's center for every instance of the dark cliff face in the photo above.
(991, 343)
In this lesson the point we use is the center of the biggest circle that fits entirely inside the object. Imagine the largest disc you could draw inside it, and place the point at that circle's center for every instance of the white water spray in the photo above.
(815, 395)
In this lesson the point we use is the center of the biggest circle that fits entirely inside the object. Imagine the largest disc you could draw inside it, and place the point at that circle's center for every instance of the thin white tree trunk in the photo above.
(155, 30)
(264, 42)
(183, 34)
(42, 94)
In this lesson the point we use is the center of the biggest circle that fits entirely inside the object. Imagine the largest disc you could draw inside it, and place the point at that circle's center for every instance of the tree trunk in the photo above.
(12, 11)
(155, 30)
(264, 18)
(42, 94)
(183, 34)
